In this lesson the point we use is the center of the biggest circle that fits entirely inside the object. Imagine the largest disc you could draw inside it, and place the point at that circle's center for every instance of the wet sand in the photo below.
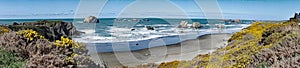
(185, 50)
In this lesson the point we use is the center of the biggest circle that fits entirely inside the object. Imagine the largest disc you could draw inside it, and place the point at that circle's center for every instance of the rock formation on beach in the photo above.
(261, 45)
(196, 25)
(91, 19)
(183, 24)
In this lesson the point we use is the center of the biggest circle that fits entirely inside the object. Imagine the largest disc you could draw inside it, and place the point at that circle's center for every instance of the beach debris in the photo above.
(196, 25)
(183, 24)
(91, 19)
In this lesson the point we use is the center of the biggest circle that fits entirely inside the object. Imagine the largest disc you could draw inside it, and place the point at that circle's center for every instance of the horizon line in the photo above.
(128, 17)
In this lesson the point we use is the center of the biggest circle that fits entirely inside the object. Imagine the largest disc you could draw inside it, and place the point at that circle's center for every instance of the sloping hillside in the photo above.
(28, 48)
(259, 45)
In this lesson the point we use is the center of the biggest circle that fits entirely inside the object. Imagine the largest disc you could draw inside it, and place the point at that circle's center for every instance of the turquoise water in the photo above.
(132, 32)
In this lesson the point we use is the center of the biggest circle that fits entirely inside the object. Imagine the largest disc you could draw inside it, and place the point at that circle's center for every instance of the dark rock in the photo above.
(149, 28)
(51, 30)
(15, 23)
(296, 17)
(91, 19)
(132, 29)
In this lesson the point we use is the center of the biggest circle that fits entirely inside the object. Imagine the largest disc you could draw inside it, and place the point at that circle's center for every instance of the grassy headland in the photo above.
(259, 45)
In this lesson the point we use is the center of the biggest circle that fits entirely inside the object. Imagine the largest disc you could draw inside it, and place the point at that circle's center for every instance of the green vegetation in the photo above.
(258, 40)
(69, 45)
(10, 59)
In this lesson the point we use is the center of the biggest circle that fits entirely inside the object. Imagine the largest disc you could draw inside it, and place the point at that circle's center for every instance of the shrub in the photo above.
(30, 34)
(65, 42)
(4, 29)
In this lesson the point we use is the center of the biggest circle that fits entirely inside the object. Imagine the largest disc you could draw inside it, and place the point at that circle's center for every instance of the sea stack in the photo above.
(196, 25)
(91, 19)
(183, 24)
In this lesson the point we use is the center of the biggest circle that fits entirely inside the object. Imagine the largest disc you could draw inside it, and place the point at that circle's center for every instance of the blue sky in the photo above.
(232, 9)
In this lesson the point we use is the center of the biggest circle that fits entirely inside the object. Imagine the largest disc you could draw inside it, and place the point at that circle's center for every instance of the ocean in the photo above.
(126, 34)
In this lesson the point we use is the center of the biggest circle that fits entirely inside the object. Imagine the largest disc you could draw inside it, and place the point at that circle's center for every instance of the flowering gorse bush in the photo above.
(4, 30)
(30, 34)
(65, 42)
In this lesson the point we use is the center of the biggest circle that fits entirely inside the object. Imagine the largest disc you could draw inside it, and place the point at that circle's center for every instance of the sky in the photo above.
(227, 9)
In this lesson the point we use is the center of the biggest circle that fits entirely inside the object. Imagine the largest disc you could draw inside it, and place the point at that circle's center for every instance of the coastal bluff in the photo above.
(270, 45)
(43, 44)
(51, 30)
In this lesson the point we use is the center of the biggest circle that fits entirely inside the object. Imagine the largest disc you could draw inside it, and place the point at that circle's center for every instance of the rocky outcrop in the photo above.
(196, 25)
(91, 19)
(51, 30)
(296, 17)
(183, 24)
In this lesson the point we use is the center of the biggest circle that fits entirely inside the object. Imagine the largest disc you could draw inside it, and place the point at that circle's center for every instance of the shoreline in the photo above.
(155, 42)
(185, 50)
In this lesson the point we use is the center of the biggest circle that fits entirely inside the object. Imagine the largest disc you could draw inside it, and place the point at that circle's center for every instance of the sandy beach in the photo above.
(185, 50)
